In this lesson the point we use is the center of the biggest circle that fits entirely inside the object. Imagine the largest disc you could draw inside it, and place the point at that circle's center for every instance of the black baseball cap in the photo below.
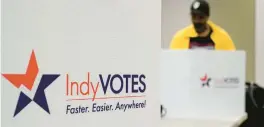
(200, 7)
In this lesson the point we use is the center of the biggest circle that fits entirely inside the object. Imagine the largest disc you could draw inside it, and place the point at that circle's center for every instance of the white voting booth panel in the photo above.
(203, 84)
(95, 63)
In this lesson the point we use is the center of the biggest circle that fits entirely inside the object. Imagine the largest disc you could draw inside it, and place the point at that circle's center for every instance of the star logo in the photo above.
(28, 80)
(205, 80)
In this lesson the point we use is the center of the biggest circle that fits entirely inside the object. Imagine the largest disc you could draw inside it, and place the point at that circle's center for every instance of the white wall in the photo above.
(175, 16)
(259, 42)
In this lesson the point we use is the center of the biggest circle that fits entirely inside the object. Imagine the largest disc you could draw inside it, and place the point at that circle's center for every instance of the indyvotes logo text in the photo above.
(107, 84)
(105, 92)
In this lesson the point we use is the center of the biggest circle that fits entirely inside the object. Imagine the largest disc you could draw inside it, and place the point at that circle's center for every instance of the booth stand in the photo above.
(203, 88)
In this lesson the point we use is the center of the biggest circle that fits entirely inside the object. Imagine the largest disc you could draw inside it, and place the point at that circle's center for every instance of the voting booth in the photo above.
(203, 85)
(83, 63)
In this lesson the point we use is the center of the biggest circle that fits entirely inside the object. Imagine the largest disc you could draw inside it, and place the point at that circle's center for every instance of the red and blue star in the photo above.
(28, 80)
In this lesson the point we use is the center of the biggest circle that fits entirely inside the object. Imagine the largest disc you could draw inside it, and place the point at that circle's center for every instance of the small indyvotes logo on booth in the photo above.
(220, 81)
(28, 81)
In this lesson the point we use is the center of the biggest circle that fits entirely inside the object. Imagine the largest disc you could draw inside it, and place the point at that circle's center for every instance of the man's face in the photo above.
(199, 18)
(199, 21)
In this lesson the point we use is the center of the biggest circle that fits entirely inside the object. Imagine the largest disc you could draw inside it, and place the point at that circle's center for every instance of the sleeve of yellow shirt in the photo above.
(178, 42)
(228, 43)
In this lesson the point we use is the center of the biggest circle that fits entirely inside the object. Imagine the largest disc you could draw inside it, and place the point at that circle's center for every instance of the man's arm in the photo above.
(228, 42)
(178, 41)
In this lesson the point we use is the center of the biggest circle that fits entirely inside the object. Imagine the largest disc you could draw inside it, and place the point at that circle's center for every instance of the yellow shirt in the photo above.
(220, 37)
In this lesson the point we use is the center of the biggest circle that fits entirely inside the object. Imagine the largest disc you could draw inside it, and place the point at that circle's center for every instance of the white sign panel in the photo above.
(80, 63)
(259, 43)
(203, 84)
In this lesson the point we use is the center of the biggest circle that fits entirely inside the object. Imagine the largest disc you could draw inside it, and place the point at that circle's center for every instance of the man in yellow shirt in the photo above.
(202, 34)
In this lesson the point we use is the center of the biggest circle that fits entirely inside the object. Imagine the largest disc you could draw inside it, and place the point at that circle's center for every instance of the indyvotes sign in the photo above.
(68, 63)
